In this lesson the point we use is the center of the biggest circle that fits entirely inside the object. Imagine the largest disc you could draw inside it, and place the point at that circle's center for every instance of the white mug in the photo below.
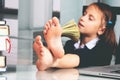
(5, 44)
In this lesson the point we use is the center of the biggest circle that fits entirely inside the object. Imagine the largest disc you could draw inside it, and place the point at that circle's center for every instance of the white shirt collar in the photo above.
(91, 44)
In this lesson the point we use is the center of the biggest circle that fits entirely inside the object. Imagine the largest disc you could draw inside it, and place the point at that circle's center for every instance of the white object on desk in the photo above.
(2, 22)
(4, 30)
(4, 43)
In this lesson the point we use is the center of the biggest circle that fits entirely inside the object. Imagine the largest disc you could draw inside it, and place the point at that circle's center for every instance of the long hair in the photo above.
(110, 20)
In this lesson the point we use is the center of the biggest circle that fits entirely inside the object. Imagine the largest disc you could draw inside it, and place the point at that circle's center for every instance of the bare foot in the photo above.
(52, 35)
(45, 58)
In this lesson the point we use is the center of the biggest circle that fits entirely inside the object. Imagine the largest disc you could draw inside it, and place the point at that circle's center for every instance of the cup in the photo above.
(5, 43)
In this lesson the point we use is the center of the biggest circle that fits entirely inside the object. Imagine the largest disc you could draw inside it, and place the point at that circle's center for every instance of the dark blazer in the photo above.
(100, 55)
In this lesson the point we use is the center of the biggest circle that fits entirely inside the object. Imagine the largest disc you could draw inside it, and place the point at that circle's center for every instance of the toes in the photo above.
(50, 23)
(44, 32)
(38, 38)
(47, 26)
(55, 21)
(38, 45)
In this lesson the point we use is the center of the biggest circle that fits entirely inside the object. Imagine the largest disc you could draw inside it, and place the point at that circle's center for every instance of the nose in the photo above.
(82, 18)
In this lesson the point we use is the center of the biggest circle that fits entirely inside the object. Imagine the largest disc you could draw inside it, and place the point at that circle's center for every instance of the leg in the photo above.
(45, 58)
(52, 34)
(67, 61)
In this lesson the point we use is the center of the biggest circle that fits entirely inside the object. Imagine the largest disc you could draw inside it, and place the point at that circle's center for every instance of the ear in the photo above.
(101, 30)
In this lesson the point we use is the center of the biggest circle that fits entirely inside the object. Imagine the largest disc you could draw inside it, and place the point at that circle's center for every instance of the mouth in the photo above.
(80, 25)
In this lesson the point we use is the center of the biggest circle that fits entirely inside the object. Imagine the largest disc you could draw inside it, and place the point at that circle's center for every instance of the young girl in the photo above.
(95, 47)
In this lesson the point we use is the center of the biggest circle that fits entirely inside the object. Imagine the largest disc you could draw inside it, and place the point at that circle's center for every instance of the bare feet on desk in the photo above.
(52, 35)
(45, 58)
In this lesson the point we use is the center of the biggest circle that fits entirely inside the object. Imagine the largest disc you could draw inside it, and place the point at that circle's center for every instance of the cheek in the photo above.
(90, 24)
(91, 29)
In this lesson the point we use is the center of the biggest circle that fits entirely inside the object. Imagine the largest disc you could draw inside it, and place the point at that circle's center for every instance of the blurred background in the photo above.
(26, 19)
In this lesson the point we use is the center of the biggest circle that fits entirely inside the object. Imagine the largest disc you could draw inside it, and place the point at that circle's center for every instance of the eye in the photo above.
(91, 18)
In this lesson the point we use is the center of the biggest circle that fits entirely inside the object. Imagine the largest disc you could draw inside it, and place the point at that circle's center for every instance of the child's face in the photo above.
(90, 23)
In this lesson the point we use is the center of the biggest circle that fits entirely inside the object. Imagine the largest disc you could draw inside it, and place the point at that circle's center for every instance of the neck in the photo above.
(86, 39)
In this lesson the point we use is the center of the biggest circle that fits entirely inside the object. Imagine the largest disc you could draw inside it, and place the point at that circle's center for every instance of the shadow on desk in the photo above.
(58, 74)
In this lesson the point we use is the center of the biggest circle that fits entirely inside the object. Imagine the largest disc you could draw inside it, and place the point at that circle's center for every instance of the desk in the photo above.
(29, 72)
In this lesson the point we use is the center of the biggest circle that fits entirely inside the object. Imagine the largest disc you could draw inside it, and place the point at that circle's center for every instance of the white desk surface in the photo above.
(30, 72)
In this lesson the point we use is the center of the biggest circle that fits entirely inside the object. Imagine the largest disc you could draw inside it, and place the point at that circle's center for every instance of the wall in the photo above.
(72, 9)
(112, 2)
(33, 14)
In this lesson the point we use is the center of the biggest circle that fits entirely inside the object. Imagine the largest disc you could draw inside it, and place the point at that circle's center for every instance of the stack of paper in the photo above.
(4, 32)
(4, 29)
